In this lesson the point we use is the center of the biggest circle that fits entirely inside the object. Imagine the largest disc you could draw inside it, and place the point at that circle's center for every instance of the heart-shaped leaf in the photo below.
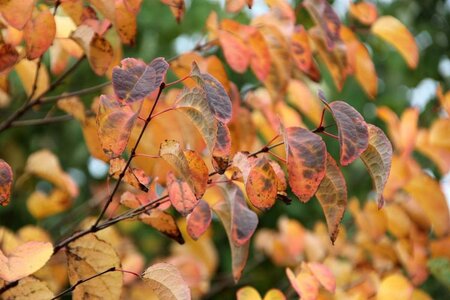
(166, 282)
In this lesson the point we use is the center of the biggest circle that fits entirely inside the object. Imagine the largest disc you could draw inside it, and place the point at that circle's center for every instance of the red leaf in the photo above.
(235, 51)
(306, 158)
(198, 220)
(8, 57)
(180, 195)
(135, 80)
(6, 180)
(353, 131)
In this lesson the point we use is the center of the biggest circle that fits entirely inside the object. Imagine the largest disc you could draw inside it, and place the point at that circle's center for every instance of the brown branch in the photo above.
(75, 93)
(29, 104)
(132, 154)
(44, 121)
(81, 281)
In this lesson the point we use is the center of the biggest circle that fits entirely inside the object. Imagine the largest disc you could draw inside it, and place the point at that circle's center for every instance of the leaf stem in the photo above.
(81, 281)
(178, 81)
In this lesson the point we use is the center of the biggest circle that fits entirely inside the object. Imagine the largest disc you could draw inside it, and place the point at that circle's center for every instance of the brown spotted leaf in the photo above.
(217, 97)
(378, 159)
(300, 49)
(193, 104)
(164, 223)
(88, 256)
(8, 57)
(39, 34)
(353, 132)
(6, 181)
(115, 122)
(243, 219)
(29, 288)
(261, 185)
(327, 20)
(135, 80)
(198, 172)
(198, 220)
(332, 196)
(222, 148)
(306, 158)
(180, 194)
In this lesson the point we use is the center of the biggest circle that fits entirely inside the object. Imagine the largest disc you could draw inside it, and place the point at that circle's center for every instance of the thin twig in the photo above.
(81, 281)
(76, 93)
(132, 154)
(45, 121)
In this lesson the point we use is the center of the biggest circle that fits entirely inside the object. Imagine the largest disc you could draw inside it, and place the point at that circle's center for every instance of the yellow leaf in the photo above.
(394, 287)
(248, 293)
(395, 33)
(24, 260)
(165, 280)
(26, 69)
(88, 256)
(29, 288)
(42, 205)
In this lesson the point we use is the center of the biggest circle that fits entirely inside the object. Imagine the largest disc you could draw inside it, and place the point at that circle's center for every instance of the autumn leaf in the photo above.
(324, 275)
(199, 220)
(395, 33)
(97, 49)
(300, 49)
(261, 185)
(42, 205)
(364, 12)
(29, 288)
(305, 284)
(248, 293)
(193, 104)
(353, 131)
(217, 97)
(88, 256)
(327, 20)
(180, 194)
(260, 59)
(394, 286)
(17, 13)
(39, 33)
(234, 47)
(8, 57)
(378, 159)
(300, 96)
(125, 21)
(177, 8)
(332, 196)
(164, 223)
(133, 176)
(222, 148)
(135, 80)
(6, 181)
(24, 260)
(166, 282)
(306, 160)
(27, 69)
(198, 172)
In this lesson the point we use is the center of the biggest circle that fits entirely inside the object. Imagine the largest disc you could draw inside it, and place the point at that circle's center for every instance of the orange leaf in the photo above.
(300, 96)
(300, 49)
(24, 260)
(235, 50)
(180, 195)
(378, 159)
(260, 59)
(133, 176)
(198, 172)
(17, 13)
(305, 284)
(6, 181)
(248, 293)
(8, 57)
(395, 33)
(324, 275)
(164, 223)
(261, 185)
(306, 159)
(332, 196)
(234, 6)
(394, 286)
(166, 282)
(364, 12)
(125, 22)
(327, 20)
(135, 80)
(115, 122)
(421, 187)
(177, 8)
(199, 219)
(353, 131)
(39, 34)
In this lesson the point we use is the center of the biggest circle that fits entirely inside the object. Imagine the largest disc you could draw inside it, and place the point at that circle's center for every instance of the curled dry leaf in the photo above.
(395, 33)
(29, 288)
(261, 185)
(217, 97)
(199, 220)
(39, 34)
(166, 282)
(177, 8)
(378, 160)
(6, 181)
(180, 194)
(115, 122)
(193, 104)
(97, 49)
(17, 13)
(353, 130)
(135, 80)
(332, 196)
(306, 160)
(24, 260)
(164, 223)
(88, 256)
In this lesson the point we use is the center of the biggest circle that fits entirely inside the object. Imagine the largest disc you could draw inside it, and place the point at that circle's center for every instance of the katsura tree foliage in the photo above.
(223, 133)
